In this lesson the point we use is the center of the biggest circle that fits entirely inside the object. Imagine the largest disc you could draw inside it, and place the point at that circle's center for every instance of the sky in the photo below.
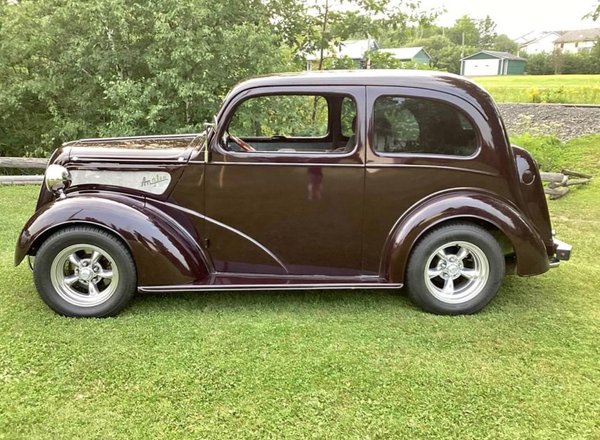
(517, 17)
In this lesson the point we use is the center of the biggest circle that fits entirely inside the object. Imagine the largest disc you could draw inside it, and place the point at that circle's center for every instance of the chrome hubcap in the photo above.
(456, 272)
(84, 275)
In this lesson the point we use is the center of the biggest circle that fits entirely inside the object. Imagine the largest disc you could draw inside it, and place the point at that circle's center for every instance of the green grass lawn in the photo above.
(575, 89)
(303, 365)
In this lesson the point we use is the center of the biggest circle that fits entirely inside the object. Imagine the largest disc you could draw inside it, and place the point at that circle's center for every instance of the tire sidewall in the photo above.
(71, 236)
(478, 236)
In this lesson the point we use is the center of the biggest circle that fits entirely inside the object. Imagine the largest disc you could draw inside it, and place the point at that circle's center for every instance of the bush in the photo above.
(557, 95)
(583, 62)
(534, 95)
(540, 64)
(546, 149)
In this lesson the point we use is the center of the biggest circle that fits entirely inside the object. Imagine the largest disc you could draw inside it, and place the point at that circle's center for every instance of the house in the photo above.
(353, 49)
(356, 50)
(537, 42)
(489, 62)
(413, 54)
(577, 41)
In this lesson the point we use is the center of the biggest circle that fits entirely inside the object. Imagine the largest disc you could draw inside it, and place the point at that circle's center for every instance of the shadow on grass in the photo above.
(273, 299)
(516, 293)
(538, 294)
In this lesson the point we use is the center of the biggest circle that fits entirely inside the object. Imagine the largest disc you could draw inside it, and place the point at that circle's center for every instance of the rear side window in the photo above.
(421, 126)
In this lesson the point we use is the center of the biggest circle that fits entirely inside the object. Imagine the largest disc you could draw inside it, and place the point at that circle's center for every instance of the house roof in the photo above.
(496, 54)
(534, 37)
(354, 49)
(579, 35)
(405, 53)
(529, 36)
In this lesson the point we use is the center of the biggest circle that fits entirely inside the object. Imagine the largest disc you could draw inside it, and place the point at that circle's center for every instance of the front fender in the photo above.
(163, 251)
(531, 253)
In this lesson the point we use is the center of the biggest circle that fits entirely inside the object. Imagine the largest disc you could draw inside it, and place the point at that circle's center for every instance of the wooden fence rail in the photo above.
(22, 162)
(21, 180)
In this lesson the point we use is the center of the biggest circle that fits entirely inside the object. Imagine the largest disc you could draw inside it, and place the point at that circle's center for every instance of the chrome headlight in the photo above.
(57, 178)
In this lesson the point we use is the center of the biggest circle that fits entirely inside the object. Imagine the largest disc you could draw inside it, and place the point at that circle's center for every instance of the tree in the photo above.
(445, 54)
(582, 63)
(341, 63)
(594, 14)
(503, 43)
(384, 60)
(117, 68)
(487, 33)
(423, 27)
(565, 63)
(465, 32)
(595, 56)
(540, 64)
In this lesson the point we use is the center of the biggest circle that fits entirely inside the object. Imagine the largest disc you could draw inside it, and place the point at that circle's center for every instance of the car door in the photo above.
(420, 142)
(285, 182)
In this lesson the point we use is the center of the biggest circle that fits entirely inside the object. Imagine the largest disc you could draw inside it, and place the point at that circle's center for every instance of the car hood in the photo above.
(142, 166)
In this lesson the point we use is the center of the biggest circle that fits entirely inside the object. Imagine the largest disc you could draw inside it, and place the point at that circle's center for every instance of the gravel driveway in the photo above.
(563, 121)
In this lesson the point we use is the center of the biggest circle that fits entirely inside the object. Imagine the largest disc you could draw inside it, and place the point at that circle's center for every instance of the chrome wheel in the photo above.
(456, 272)
(84, 275)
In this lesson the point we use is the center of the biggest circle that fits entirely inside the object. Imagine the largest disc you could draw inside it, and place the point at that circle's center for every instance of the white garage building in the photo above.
(490, 62)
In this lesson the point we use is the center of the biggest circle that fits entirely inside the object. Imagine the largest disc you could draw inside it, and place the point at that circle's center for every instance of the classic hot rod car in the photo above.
(331, 180)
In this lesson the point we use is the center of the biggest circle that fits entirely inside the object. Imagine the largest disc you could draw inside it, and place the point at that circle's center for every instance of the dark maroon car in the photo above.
(330, 180)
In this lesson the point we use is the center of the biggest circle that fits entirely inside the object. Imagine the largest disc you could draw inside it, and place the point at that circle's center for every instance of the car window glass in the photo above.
(417, 125)
(348, 117)
(290, 124)
(281, 115)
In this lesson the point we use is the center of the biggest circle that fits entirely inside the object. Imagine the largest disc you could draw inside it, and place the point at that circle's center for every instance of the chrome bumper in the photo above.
(562, 252)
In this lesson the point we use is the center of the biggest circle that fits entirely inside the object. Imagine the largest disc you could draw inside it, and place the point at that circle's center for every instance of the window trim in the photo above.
(416, 95)
(242, 96)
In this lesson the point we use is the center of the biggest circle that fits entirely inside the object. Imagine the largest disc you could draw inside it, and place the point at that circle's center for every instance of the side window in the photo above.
(286, 124)
(281, 115)
(417, 125)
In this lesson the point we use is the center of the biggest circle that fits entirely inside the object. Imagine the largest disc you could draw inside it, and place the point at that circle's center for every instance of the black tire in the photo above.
(68, 298)
(453, 285)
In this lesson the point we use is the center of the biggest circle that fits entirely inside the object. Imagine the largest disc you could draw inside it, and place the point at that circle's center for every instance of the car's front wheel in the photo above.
(84, 271)
(455, 269)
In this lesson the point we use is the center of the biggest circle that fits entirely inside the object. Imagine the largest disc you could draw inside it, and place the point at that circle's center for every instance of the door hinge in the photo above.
(206, 243)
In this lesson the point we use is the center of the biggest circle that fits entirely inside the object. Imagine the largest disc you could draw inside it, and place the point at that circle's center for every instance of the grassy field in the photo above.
(339, 365)
(575, 89)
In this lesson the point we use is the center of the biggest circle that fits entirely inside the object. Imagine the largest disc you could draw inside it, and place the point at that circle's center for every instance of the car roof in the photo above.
(439, 81)
(354, 77)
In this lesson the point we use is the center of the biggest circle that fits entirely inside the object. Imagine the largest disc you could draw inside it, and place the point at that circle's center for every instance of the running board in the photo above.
(255, 287)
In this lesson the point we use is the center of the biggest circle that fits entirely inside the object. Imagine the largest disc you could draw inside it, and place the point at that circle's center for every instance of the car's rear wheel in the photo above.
(84, 271)
(455, 269)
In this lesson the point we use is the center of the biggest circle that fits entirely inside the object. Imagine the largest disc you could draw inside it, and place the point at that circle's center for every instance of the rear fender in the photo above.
(463, 205)
(164, 252)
